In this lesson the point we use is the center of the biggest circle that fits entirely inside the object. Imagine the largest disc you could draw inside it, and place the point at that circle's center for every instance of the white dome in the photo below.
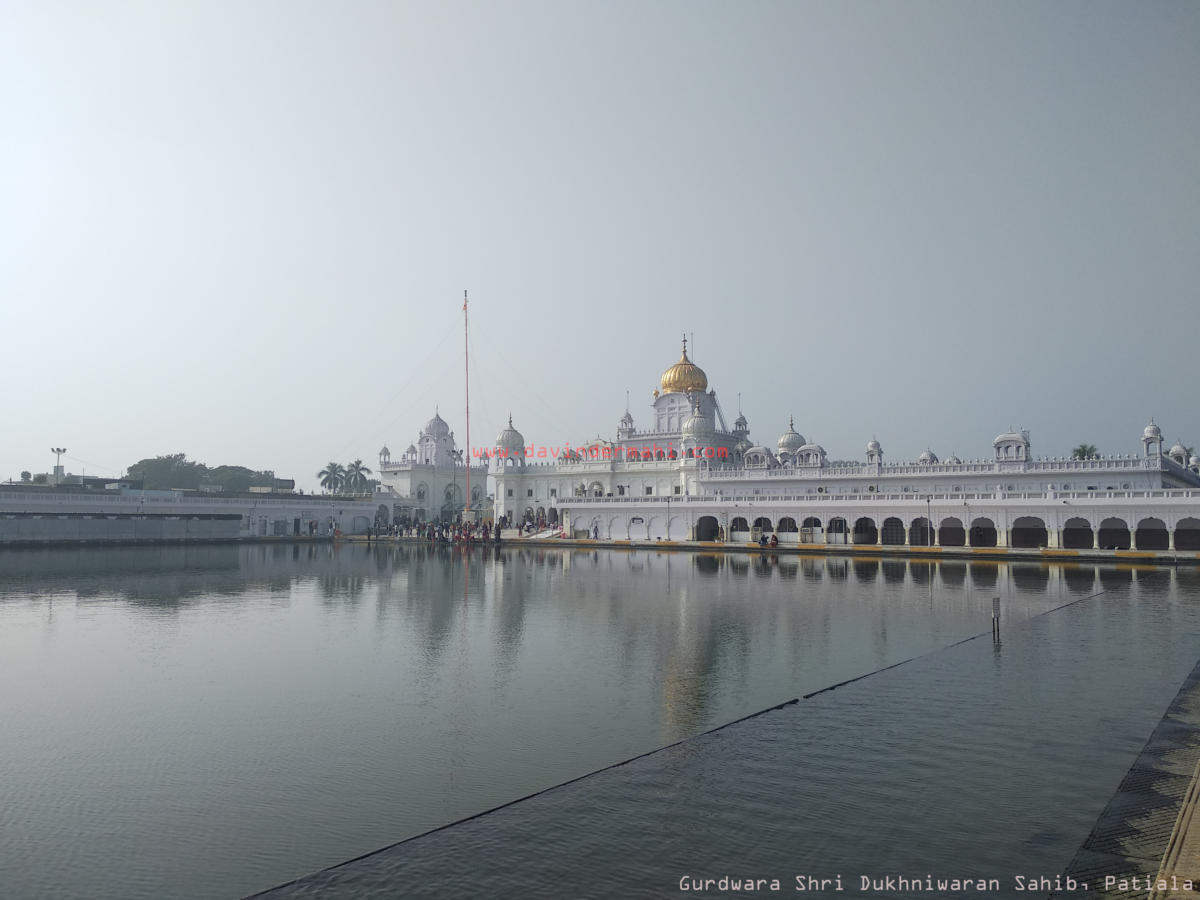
(873, 446)
(412, 449)
(437, 427)
(510, 438)
(1178, 450)
(1018, 436)
(1152, 431)
(626, 420)
(790, 440)
(953, 460)
(697, 423)
(812, 448)
(927, 457)
(740, 423)
(1194, 461)
(385, 451)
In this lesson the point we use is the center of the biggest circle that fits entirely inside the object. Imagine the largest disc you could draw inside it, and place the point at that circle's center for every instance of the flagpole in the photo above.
(467, 371)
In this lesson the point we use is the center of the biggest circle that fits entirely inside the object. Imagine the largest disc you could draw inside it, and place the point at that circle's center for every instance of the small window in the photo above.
(678, 490)
(649, 491)
(528, 492)
(510, 492)
(620, 490)
(553, 492)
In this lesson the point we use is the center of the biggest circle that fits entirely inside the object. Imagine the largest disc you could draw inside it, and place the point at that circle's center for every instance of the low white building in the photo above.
(691, 477)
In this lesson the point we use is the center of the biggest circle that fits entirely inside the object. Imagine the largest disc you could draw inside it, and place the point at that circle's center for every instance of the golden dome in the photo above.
(684, 376)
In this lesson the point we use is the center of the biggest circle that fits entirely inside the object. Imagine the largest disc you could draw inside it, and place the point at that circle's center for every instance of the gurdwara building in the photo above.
(689, 476)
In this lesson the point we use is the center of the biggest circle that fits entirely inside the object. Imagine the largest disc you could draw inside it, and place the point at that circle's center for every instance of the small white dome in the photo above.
(740, 423)
(385, 451)
(873, 446)
(697, 423)
(812, 448)
(953, 460)
(411, 449)
(1178, 450)
(1194, 461)
(927, 457)
(1152, 431)
(510, 438)
(790, 439)
(437, 427)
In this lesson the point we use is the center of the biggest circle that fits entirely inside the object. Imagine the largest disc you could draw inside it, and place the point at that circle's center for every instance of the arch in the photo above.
(671, 454)
(707, 528)
(983, 532)
(552, 515)
(596, 489)
(865, 531)
(1077, 534)
(658, 455)
(837, 531)
(951, 532)
(787, 525)
(811, 522)
(764, 523)
(618, 528)
(1152, 534)
(656, 528)
(1187, 534)
(892, 532)
(632, 454)
(1114, 534)
(739, 524)
(1029, 532)
(920, 533)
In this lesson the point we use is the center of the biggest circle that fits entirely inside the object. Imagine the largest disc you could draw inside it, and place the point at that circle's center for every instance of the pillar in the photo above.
(1002, 536)
(1054, 538)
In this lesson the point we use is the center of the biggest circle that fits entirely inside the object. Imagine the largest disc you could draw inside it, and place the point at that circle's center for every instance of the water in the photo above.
(209, 721)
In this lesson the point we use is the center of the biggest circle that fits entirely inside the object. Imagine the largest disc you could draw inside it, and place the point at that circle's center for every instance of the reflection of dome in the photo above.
(684, 376)
(1152, 431)
(510, 438)
(927, 458)
(437, 427)
(790, 439)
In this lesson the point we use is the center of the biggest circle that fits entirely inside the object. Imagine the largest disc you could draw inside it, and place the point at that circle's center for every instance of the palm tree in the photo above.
(1084, 451)
(356, 476)
(333, 476)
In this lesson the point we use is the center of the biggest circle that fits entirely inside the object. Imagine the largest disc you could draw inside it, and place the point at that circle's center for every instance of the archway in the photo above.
(552, 515)
(811, 522)
(1029, 532)
(983, 532)
(787, 525)
(951, 532)
(739, 526)
(1077, 534)
(707, 528)
(837, 530)
(893, 532)
(764, 523)
(865, 531)
(1152, 535)
(1114, 534)
(1187, 534)
(921, 532)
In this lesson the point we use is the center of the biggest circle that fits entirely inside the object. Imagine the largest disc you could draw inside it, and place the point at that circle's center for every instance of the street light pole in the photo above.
(929, 520)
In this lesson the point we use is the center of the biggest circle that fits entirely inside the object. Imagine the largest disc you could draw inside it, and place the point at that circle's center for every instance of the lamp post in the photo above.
(928, 520)
(58, 452)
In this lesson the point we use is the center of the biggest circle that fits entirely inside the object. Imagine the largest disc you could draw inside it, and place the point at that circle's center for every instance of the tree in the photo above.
(174, 470)
(356, 476)
(26, 477)
(333, 476)
(40, 479)
(1084, 451)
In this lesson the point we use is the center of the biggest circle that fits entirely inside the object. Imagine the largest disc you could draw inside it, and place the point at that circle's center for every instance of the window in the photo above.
(620, 490)
(553, 492)
(649, 490)
(678, 489)
(510, 492)
(528, 492)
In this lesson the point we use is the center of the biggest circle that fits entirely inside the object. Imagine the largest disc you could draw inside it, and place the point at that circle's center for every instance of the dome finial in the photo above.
(510, 420)
(685, 344)
(791, 423)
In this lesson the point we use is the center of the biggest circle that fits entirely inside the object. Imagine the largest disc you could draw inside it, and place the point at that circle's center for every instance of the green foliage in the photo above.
(26, 477)
(40, 479)
(333, 476)
(175, 470)
(1084, 451)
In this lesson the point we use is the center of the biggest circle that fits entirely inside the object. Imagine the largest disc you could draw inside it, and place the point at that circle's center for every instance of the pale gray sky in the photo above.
(242, 230)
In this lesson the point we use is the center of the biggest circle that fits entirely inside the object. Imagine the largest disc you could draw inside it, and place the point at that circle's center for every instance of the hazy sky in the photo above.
(242, 230)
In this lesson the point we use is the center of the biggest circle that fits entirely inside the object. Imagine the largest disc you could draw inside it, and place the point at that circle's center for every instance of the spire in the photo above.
(791, 423)
(510, 420)
(685, 345)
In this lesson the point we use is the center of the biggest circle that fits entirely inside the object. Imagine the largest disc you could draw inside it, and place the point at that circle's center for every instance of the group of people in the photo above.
(445, 532)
